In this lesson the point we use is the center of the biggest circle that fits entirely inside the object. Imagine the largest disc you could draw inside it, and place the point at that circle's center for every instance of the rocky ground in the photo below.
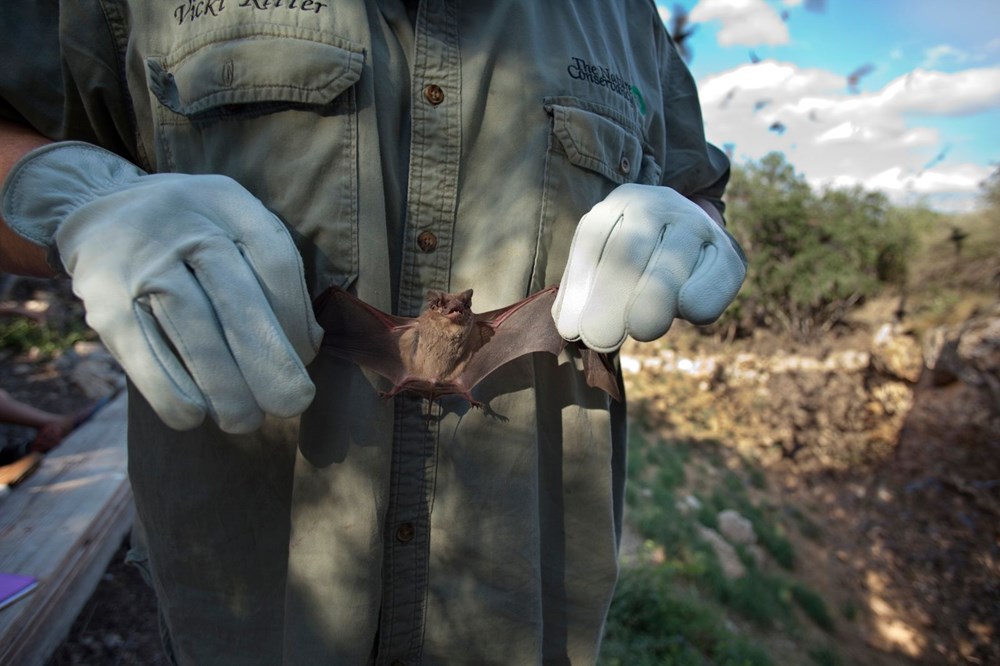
(890, 442)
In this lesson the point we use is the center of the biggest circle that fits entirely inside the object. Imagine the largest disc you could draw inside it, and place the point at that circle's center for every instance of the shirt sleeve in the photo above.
(63, 72)
(693, 167)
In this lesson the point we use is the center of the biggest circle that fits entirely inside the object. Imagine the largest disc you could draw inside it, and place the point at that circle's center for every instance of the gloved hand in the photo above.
(194, 286)
(640, 258)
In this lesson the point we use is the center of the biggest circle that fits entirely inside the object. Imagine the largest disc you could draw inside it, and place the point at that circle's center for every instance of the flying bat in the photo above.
(855, 77)
(448, 349)
(680, 32)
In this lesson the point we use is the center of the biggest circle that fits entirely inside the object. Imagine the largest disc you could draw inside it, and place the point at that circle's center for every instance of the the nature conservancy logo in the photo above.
(599, 75)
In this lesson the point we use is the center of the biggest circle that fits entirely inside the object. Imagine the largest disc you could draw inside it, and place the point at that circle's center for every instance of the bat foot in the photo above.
(488, 411)
(476, 403)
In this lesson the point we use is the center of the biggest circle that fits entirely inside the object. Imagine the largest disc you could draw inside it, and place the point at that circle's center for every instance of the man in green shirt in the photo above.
(221, 162)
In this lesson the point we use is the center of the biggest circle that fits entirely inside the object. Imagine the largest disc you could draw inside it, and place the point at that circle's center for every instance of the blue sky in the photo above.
(923, 124)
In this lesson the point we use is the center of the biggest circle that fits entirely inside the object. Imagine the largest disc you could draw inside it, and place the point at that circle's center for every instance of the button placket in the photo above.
(432, 196)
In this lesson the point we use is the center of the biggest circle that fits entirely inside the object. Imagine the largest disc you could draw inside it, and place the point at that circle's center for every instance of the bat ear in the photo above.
(466, 296)
(434, 296)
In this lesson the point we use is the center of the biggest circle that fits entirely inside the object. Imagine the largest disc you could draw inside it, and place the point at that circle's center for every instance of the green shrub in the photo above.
(813, 256)
(812, 605)
(22, 336)
(824, 656)
(652, 622)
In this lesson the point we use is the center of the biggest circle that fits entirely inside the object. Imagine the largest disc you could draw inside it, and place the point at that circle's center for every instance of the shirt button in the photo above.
(625, 165)
(427, 241)
(434, 94)
(405, 532)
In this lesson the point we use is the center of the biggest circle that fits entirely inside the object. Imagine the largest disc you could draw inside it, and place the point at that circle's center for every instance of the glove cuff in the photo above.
(51, 182)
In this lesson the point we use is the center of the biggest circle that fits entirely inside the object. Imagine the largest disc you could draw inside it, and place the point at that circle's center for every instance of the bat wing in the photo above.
(599, 372)
(511, 332)
(362, 334)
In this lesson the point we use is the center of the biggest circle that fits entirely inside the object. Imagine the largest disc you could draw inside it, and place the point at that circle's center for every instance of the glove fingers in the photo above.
(131, 333)
(579, 276)
(631, 245)
(287, 293)
(186, 318)
(656, 302)
(152, 365)
(267, 246)
(714, 284)
(257, 340)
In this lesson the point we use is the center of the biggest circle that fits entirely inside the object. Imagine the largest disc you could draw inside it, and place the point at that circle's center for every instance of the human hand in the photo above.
(193, 285)
(640, 258)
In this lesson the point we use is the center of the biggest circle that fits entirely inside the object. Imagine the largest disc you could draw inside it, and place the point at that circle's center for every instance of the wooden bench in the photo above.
(62, 525)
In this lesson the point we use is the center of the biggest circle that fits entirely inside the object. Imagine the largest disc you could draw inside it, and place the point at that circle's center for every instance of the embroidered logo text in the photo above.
(599, 75)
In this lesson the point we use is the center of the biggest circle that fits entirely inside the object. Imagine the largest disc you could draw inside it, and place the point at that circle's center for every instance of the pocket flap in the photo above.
(597, 143)
(256, 70)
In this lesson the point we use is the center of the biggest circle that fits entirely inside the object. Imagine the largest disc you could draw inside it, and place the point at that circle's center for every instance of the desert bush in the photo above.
(814, 256)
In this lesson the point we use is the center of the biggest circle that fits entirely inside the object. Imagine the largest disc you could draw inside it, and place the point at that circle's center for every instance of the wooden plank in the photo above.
(62, 525)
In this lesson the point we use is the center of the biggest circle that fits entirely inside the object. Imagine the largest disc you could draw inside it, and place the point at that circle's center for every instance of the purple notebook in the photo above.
(13, 587)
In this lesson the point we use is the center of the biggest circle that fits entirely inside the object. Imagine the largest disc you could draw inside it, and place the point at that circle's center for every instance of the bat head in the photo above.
(456, 307)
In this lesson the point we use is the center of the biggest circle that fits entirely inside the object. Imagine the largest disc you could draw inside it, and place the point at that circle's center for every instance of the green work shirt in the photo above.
(440, 144)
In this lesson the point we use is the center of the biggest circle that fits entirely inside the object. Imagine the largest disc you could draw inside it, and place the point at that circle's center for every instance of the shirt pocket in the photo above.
(279, 115)
(592, 149)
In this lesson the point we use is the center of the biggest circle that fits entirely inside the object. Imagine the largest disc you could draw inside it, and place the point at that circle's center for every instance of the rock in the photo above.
(896, 355)
(979, 344)
(732, 567)
(735, 528)
(970, 354)
(979, 350)
(688, 504)
(893, 398)
(947, 366)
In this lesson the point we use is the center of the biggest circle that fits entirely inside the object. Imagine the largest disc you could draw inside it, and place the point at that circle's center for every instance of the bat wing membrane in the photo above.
(362, 334)
(511, 332)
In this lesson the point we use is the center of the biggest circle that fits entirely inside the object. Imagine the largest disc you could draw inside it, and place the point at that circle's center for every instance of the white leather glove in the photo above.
(640, 258)
(194, 286)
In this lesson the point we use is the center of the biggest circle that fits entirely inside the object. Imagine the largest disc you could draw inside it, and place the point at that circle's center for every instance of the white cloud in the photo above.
(942, 93)
(839, 139)
(942, 54)
(744, 22)
(664, 14)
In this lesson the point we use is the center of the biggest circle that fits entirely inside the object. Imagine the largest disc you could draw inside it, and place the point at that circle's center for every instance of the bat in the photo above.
(448, 349)
(854, 78)
(728, 98)
(680, 32)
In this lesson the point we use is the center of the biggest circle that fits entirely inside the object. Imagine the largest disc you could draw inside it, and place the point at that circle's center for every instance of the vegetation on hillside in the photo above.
(817, 255)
